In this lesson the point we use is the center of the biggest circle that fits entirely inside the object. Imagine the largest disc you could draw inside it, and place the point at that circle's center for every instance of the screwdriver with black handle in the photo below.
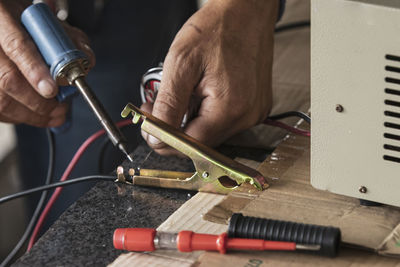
(68, 65)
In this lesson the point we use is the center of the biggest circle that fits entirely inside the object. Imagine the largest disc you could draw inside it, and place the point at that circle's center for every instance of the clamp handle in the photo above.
(214, 171)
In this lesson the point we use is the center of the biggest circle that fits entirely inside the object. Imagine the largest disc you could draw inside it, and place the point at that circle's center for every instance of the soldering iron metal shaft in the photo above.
(112, 130)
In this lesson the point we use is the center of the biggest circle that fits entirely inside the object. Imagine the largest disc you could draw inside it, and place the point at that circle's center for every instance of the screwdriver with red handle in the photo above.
(148, 239)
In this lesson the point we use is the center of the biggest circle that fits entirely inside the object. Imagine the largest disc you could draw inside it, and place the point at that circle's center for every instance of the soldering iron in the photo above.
(68, 65)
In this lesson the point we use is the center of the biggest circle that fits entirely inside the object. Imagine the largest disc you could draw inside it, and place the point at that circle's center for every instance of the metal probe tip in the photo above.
(308, 247)
(129, 157)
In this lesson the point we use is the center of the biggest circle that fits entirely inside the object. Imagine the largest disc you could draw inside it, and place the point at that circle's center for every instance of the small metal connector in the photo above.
(339, 108)
(363, 189)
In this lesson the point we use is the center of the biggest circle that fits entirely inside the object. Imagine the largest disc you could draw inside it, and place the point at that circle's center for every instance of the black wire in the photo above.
(292, 26)
(36, 213)
(58, 184)
(288, 114)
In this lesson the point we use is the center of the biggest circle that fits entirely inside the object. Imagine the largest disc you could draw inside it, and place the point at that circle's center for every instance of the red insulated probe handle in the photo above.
(189, 241)
(142, 239)
(258, 244)
(134, 239)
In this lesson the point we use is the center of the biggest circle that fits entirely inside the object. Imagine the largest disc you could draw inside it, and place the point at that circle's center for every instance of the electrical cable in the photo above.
(287, 127)
(64, 177)
(58, 184)
(292, 26)
(288, 114)
(36, 213)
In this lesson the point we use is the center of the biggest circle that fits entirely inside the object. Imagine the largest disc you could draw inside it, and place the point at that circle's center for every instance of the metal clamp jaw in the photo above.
(215, 172)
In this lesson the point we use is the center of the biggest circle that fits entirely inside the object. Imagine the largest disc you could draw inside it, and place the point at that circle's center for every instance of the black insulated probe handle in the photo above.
(307, 234)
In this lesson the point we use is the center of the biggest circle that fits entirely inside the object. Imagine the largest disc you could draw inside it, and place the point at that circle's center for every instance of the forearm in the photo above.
(240, 23)
(261, 14)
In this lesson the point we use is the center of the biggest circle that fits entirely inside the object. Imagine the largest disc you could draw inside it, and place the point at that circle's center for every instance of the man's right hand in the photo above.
(27, 89)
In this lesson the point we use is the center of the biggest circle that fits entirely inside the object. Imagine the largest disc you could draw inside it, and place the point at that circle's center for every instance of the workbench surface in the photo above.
(83, 235)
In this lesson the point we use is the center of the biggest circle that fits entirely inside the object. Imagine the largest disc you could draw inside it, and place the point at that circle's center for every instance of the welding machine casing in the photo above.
(355, 98)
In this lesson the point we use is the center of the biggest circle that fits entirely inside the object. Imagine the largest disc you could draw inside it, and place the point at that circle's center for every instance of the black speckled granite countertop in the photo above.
(82, 236)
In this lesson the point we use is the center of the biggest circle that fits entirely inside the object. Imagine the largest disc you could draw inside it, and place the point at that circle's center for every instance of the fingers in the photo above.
(15, 85)
(147, 107)
(15, 112)
(151, 140)
(27, 89)
(216, 120)
(182, 72)
(81, 41)
(214, 123)
(20, 49)
(159, 147)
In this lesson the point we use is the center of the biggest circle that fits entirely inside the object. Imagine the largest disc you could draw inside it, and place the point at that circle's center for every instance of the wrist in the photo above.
(261, 12)
(246, 22)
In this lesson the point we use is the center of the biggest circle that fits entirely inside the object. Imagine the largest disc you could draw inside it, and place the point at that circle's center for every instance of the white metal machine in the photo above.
(355, 98)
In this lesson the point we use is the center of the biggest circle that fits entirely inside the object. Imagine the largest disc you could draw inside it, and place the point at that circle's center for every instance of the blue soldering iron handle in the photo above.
(56, 48)
(50, 38)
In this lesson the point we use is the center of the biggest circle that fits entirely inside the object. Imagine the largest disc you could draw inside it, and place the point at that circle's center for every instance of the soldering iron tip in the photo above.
(129, 157)
(124, 149)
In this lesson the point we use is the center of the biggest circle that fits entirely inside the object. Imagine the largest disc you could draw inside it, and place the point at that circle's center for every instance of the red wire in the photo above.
(64, 177)
(287, 127)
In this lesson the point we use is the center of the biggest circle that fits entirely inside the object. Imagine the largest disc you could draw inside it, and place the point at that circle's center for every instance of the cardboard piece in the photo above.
(292, 158)
(144, 259)
(347, 258)
(290, 197)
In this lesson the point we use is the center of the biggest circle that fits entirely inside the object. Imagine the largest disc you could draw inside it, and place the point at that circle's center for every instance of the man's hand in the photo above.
(222, 56)
(27, 90)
